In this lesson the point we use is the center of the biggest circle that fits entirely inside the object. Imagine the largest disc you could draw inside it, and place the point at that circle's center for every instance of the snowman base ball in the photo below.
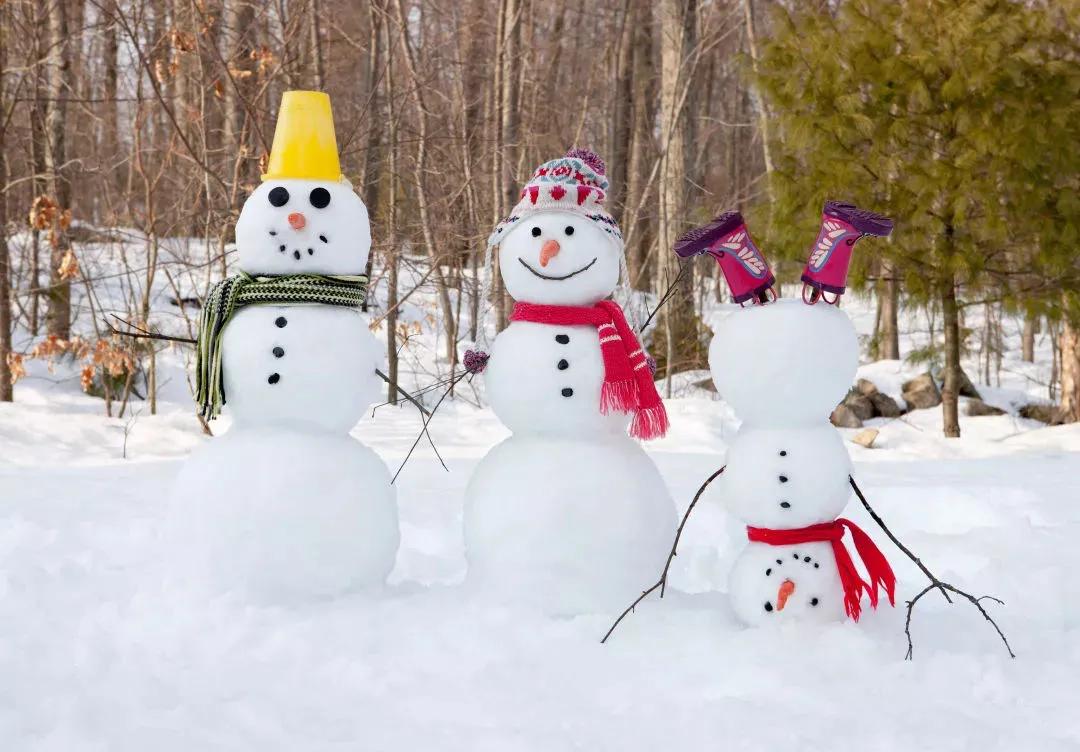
(586, 522)
(277, 515)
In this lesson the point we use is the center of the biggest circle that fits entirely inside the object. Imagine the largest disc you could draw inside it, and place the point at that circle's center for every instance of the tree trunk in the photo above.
(623, 114)
(678, 30)
(416, 90)
(888, 339)
(759, 105)
(392, 255)
(950, 391)
(375, 118)
(642, 149)
(58, 313)
(111, 107)
(6, 385)
(1070, 371)
(1027, 339)
(318, 74)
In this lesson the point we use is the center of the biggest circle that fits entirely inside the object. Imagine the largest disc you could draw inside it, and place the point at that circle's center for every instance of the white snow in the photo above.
(96, 653)
(99, 652)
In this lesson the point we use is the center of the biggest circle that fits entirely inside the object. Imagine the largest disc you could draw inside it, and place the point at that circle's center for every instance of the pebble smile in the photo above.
(557, 279)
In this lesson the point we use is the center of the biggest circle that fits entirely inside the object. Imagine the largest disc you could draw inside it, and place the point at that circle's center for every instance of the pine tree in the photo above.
(958, 119)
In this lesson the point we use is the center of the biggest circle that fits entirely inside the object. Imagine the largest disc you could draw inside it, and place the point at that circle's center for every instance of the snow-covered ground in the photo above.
(99, 652)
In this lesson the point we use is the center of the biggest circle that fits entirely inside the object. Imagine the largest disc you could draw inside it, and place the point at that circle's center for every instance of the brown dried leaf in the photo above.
(16, 366)
(69, 266)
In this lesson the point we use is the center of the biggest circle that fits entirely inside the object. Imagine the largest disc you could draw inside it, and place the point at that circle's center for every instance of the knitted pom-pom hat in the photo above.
(574, 183)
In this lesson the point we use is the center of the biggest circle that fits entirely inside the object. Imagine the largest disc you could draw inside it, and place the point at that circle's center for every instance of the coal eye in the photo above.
(279, 196)
(569, 229)
(320, 198)
(536, 232)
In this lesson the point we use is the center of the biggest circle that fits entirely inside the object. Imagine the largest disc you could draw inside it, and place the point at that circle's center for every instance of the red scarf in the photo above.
(833, 532)
(628, 385)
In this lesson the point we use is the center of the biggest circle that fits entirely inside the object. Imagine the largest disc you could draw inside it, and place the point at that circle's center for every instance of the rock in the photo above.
(866, 437)
(843, 417)
(860, 405)
(976, 408)
(866, 387)
(885, 406)
(1048, 414)
(921, 392)
(967, 389)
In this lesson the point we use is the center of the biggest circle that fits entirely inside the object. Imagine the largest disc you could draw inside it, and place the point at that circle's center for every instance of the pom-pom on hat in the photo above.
(574, 183)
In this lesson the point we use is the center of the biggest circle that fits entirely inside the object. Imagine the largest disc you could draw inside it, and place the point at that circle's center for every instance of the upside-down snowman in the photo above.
(286, 504)
(783, 366)
(569, 513)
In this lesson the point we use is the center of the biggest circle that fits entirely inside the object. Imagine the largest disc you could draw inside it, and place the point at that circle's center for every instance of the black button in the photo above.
(563, 365)
(281, 321)
(274, 378)
(568, 392)
(783, 479)
(279, 352)
(785, 505)
(562, 339)
(783, 453)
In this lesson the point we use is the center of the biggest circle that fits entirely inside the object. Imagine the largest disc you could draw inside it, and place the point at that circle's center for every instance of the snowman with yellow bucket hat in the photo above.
(286, 504)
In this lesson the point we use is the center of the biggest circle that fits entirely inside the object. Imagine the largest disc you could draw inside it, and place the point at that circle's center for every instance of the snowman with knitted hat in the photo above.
(286, 504)
(788, 472)
(569, 513)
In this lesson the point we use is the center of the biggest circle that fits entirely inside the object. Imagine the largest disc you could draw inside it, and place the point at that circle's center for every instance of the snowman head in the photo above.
(559, 245)
(559, 258)
(301, 226)
(784, 364)
(305, 217)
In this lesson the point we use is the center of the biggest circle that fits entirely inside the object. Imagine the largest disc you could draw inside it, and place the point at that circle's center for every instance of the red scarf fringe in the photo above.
(628, 384)
(877, 566)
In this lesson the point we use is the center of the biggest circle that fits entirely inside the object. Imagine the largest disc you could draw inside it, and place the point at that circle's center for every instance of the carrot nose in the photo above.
(549, 250)
(297, 221)
(787, 587)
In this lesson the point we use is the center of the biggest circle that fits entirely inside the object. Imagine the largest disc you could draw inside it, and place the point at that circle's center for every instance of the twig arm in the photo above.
(403, 393)
(662, 582)
(935, 583)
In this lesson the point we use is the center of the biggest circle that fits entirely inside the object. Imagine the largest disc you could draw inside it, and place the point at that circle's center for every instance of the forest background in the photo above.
(129, 126)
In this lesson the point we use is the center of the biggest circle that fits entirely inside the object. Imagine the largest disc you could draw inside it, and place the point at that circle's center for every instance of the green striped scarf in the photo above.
(233, 293)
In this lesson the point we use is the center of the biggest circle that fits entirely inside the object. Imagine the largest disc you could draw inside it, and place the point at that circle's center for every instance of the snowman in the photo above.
(286, 504)
(787, 474)
(569, 514)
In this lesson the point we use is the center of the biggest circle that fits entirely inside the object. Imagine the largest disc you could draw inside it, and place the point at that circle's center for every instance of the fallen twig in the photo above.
(935, 583)
(662, 582)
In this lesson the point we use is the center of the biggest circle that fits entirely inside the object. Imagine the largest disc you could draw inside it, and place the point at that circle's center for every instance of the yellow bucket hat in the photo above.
(305, 145)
